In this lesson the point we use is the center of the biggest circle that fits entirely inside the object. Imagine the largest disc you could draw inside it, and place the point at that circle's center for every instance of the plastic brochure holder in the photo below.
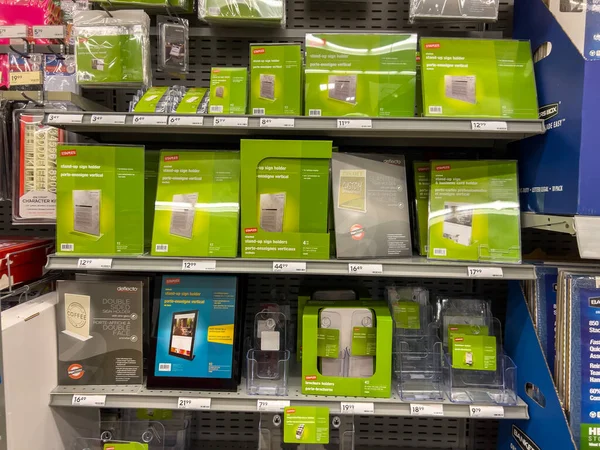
(176, 424)
(139, 435)
(268, 359)
(481, 10)
(341, 433)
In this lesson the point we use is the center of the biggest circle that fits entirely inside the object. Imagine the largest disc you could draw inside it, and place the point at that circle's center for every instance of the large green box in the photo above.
(242, 13)
(360, 75)
(422, 181)
(100, 200)
(478, 78)
(228, 90)
(197, 204)
(285, 193)
(474, 211)
(276, 79)
(372, 338)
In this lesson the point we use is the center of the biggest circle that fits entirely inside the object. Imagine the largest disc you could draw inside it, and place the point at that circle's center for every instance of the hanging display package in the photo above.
(173, 44)
(480, 10)
(243, 12)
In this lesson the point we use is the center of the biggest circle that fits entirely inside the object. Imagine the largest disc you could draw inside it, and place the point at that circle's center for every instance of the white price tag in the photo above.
(290, 267)
(426, 409)
(193, 403)
(485, 272)
(186, 121)
(111, 119)
(488, 126)
(65, 118)
(488, 411)
(272, 405)
(94, 263)
(365, 269)
(13, 31)
(150, 120)
(198, 265)
(269, 122)
(597, 282)
(357, 408)
(231, 122)
(354, 123)
(49, 31)
(88, 400)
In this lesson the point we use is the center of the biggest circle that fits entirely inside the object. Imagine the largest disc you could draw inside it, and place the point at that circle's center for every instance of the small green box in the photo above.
(242, 13)
(306, 425)
(228, 90)
(197, 204)
(352, 74)
(100, 200)
(422, 182)
(478, 78)
(474, 211)
(195, 101)
(368, 329)
(285, 198)
(275, 79)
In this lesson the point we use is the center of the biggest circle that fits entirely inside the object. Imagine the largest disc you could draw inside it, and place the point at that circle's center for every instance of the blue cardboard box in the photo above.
(559, 170)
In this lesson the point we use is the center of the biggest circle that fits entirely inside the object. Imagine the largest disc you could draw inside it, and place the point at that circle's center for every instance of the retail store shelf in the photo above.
(407, 267)
(413, 127)
(559, 224)
(46, 96)
(140, 397)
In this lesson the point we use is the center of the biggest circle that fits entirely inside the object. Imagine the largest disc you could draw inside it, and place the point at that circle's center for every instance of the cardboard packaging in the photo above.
(285, 198)
(422, 178)
(197, 204)
(99, 329)
(369, 75)
(370, 206)
(100, 200)
(474, 211)
(228, 90)
(478, 78)
(558, 170)
(276, 79)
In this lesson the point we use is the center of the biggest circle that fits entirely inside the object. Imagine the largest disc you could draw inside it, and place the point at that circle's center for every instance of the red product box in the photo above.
(26, 258)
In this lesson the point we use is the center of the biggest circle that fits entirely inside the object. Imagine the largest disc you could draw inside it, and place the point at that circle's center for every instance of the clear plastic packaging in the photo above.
(268, 359)
(482, 10)
(461, 311)
(25, 72)
(243, 12)
(138, 435)
(112, 50)
(60, 73)
(158, 99)
(173, 44)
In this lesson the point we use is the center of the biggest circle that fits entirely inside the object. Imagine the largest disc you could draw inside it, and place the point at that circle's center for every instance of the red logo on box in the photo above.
(459, 339)
(446, 167)
(258, 51)
(310, 377)
(75, 371)
(172, 158)
(250, 230)
(216, 70)
(68, 153)
(173, 280)
(433, 45)
(290, 411)
(423, 169)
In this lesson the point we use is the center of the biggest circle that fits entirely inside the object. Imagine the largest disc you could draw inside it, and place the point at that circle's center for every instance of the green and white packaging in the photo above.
(285, 198)
(422, 178)
(197, 204)
(474, 211)
(228, 90)
(478, 78)
(242, 12)
(474, 352)
(354, 74)
(306, 425)
(276, 79)
(195, 101)
(100, 200)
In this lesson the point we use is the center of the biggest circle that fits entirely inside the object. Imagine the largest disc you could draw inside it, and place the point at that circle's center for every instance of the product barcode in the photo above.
(216, 108)
(439, 252)
(258, 111)
(435, 110)
(162, 247)
(214, 11)
(314, 112)
(164, 367)
(67, 247)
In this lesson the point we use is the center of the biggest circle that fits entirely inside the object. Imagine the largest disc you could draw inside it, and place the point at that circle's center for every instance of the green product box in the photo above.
(242, 13)
(478, 78)
(150, 183)
(275, 79)
(354, 74)
(228, 90)
(195, 101)
(100, 200)
(474, 211)
(359, 363)
(422, 182)
(474, 352)
(197, 204)
(306, 425)
(407, 315)
(285, 193)
(458, 329)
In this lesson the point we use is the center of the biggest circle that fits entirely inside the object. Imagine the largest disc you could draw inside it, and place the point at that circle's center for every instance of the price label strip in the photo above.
(49, 31)
(487, 411)
(276, 123)
(150, 120)
(193, 403)
(94, 263)
(106, 119)
(426, 409)
(365, 269)
(272, 405)
(488, 126)
(88, 400)
(13, 31)
(198, 265)
(186, 121)
(357, 408)
(289, 267)
(65, 118)
(231, 122)
(485, 272)
(354, 123)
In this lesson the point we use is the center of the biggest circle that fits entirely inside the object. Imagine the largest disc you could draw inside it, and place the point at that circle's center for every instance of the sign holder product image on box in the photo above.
(86, 211)
(183, 333)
